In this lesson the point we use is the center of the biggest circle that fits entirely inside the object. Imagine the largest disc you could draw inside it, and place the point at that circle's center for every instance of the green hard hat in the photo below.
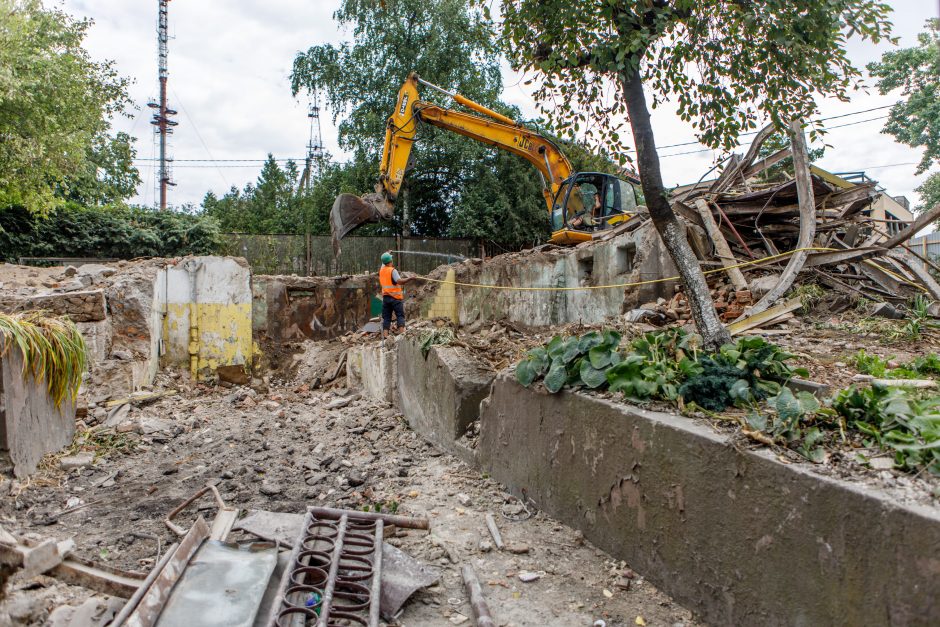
(386, 257)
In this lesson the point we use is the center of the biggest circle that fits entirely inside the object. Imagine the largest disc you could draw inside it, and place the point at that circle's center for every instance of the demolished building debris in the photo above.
(221, 408)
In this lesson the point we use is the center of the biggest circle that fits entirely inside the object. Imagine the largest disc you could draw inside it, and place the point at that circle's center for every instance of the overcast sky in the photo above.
(230, 62)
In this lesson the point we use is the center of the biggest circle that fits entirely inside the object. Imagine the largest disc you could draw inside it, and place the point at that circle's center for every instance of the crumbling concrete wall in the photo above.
(30, 423)
(316, 308)
(216, 293)
(440, 394)
(631, 257)
(737, 536)
(372, 368)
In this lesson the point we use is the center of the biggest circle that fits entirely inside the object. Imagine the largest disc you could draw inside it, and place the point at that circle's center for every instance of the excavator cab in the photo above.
(589, 202)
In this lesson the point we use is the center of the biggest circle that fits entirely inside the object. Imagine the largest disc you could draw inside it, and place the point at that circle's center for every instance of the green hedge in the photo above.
(106, 232)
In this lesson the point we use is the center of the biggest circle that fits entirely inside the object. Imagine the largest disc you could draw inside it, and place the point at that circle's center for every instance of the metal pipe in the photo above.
(327, 603)
(405, 522)
(375, 602)
(481, 611)
(144, 586)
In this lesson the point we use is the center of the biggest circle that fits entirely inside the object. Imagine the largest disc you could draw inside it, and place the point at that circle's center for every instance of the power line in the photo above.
(223, 160)
(831, 128)
(831, 117)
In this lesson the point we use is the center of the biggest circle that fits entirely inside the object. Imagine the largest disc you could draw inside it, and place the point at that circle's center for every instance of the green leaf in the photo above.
(591, 376)
(741, 390)
(757, 421)
(556, 377)
(556, 347)
(589, 340)
(599, 356)
(572, 350)
(540, 360)
(525, 372)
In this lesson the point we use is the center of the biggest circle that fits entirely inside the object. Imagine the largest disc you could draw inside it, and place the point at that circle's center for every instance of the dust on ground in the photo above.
(283, 448)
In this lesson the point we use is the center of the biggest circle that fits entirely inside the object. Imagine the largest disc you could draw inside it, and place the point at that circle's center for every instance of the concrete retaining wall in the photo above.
(738, 537)
(627, 258)
(372, 368)
(291, 308)
(30, 423)
(440, 394)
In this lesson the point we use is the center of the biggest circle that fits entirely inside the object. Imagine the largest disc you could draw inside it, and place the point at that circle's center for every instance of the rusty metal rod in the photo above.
(285, 578)
(330, 588)
(375, 602)
(407, 522)
(132, 602)
(481, 611)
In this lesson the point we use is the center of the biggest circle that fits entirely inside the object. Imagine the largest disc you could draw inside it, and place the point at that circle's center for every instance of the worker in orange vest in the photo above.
(392, 295)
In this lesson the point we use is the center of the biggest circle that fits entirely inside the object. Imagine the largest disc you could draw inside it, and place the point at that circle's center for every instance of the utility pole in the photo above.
(315, 155)
(161, 119)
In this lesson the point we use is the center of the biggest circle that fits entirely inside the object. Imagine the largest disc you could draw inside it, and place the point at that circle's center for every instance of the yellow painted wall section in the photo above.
(224, 333)
(444, 303)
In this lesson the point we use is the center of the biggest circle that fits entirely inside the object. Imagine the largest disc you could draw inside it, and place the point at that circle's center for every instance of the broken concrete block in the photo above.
(762, 285)
(440, 395)
(887, 310)
(80, 460)
(40, 558)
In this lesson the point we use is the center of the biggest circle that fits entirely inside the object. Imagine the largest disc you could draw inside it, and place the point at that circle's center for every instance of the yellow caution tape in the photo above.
(744, 264)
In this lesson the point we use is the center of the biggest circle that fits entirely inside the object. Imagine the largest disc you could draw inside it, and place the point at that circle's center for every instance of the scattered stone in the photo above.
(887, 310)
(70, 271)
(464, 500)
(269, 488)
(122, 355)
(518, 549)
(355, 478)
(526, 576)
(881, 463)
(339, 403)
(486, 546)
(80, 460)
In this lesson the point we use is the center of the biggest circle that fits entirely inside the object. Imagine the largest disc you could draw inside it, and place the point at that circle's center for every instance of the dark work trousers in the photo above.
(389, 305)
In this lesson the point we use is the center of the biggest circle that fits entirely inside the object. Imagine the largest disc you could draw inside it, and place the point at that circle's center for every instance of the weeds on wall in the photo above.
(54, 351)
(751, 375)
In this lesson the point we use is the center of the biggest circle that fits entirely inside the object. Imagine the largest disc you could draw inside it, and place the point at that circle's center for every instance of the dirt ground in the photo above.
(282, 449)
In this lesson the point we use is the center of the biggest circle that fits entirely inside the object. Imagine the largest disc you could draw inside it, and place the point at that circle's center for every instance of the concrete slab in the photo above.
(30, 423)
(440, 394)
(737, 536)
(372, 368)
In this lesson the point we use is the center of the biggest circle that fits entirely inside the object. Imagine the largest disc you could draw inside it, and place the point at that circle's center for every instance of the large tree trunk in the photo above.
(714, 334)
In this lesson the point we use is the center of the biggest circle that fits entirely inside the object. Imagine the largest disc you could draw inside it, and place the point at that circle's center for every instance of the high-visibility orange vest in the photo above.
(388, 286)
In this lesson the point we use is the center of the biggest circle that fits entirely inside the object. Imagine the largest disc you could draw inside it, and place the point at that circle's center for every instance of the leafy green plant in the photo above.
(657, 365)
(738, 374)
(870, 364)
(895, 419)
(571, 361)
(918, 318)
(436, 337)
(53, 350)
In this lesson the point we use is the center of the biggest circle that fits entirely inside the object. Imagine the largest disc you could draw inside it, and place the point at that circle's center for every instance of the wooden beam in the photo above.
(804, 191)
(754, 320)
(721, 244)
(766, 163)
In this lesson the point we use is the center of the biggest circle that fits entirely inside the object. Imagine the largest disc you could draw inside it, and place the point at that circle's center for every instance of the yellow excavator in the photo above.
(581, 205)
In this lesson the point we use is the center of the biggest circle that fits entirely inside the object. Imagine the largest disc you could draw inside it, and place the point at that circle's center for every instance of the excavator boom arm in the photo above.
(495, 129)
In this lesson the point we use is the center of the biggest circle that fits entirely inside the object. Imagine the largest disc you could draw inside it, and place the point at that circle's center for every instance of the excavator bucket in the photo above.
(349, 212)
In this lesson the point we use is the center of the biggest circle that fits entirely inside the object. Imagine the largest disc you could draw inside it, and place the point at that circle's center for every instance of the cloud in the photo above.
(230, 61)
